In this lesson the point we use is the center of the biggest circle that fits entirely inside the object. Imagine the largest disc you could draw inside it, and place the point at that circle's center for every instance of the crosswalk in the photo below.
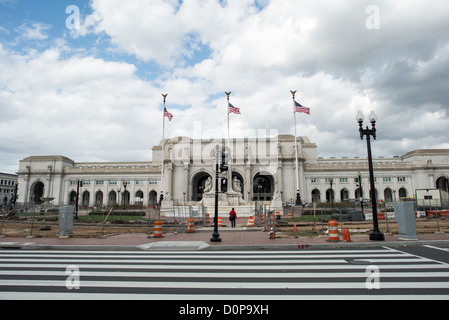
(381, 273)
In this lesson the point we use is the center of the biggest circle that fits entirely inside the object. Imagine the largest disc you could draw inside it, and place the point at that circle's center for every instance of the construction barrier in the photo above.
(278, 215)
(273, 227)
(272, 235)
(290, 215)
(208, 219)
(262, 219)
(191, 226)
(158, 229)
(251, 222)
(333, 231)
(220, 221)
(441, 213)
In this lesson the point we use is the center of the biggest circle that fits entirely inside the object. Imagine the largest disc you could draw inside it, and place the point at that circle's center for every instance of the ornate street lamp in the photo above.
(376, 235)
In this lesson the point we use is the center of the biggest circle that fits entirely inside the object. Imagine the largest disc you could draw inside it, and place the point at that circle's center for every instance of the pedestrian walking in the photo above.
(232, 217)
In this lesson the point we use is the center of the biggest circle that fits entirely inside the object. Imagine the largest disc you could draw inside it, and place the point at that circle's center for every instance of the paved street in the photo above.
(372, 273)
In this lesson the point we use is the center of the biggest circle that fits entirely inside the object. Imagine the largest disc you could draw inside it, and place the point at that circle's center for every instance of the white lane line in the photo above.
(226, 285)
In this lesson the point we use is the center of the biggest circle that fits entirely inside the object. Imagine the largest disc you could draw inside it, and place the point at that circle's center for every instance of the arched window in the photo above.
(316, 197)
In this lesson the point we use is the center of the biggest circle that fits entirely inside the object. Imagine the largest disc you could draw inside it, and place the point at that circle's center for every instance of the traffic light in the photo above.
(224, 162)
(224, 185)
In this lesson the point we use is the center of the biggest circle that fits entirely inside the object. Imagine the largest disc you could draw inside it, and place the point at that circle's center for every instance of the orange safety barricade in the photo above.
(251, 222)
(220, 221)
(191, 226)
(158, 229)
(333, 231)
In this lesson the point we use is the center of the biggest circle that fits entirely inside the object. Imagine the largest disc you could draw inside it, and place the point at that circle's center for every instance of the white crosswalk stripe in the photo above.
(209, 275)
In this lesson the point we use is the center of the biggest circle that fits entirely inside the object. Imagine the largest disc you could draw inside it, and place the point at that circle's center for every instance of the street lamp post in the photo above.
(376, 235)
(215, 234)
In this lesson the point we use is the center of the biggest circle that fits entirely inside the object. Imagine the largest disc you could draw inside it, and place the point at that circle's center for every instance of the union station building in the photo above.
(262, 169)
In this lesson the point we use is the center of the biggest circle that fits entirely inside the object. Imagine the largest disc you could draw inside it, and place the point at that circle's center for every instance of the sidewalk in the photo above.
(232, 239)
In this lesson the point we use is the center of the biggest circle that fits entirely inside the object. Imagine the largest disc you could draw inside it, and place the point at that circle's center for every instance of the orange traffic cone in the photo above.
(348, 235)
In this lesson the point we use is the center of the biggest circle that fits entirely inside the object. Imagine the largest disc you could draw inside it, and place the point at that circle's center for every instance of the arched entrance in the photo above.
(388, 195)
(99, 199)
(152, 199)
(139, 198)
(126, 198)
(201, 185)
(263, 187)
(72, 198)
(112, 198)
(37, 192)
(316, 196)
(86, 199)
(442, 184)
(330, 195)
(344, 194)
(402, 193)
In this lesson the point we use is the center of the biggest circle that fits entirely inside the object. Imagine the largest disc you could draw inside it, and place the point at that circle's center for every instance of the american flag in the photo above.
(233, 109)
(168, 114)
(301, 109)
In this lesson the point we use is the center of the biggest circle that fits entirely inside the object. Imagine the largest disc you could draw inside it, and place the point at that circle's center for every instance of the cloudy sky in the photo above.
(84, 78)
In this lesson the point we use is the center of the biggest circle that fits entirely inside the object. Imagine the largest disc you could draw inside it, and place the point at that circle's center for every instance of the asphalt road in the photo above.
(338, 274)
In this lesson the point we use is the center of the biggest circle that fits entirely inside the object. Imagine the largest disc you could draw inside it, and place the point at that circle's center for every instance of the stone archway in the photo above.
(199, 185)
(138, 198)
(86, 199)
(72, 198)
(388, 195)
(37, 192)
(99, 199)
(316, 196)
(263, 187)
(442, 184)
(112, 201)
(152, 199)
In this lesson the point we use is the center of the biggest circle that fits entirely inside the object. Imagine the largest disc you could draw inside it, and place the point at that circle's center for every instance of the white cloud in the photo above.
(260, 50)
(33, 31)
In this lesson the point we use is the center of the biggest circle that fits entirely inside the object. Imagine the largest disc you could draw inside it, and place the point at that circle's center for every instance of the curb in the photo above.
(203, 246)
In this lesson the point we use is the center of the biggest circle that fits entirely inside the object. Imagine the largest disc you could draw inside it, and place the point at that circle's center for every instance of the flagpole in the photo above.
(298, 195)
(163, 152)
(229, 164)
(229, 106)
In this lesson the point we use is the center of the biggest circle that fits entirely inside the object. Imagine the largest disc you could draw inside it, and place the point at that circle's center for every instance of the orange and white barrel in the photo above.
(251, 222)
(333, 231)
(190, 226)
(158, 229)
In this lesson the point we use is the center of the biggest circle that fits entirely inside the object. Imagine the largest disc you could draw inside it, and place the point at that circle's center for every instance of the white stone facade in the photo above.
(7, 188)
(268, 163)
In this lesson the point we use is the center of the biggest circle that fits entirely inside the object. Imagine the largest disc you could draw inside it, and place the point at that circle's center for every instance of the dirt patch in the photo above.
(21, 229)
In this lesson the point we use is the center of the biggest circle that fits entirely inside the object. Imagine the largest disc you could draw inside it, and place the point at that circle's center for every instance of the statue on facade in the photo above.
(208, 185)
(236, 184)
